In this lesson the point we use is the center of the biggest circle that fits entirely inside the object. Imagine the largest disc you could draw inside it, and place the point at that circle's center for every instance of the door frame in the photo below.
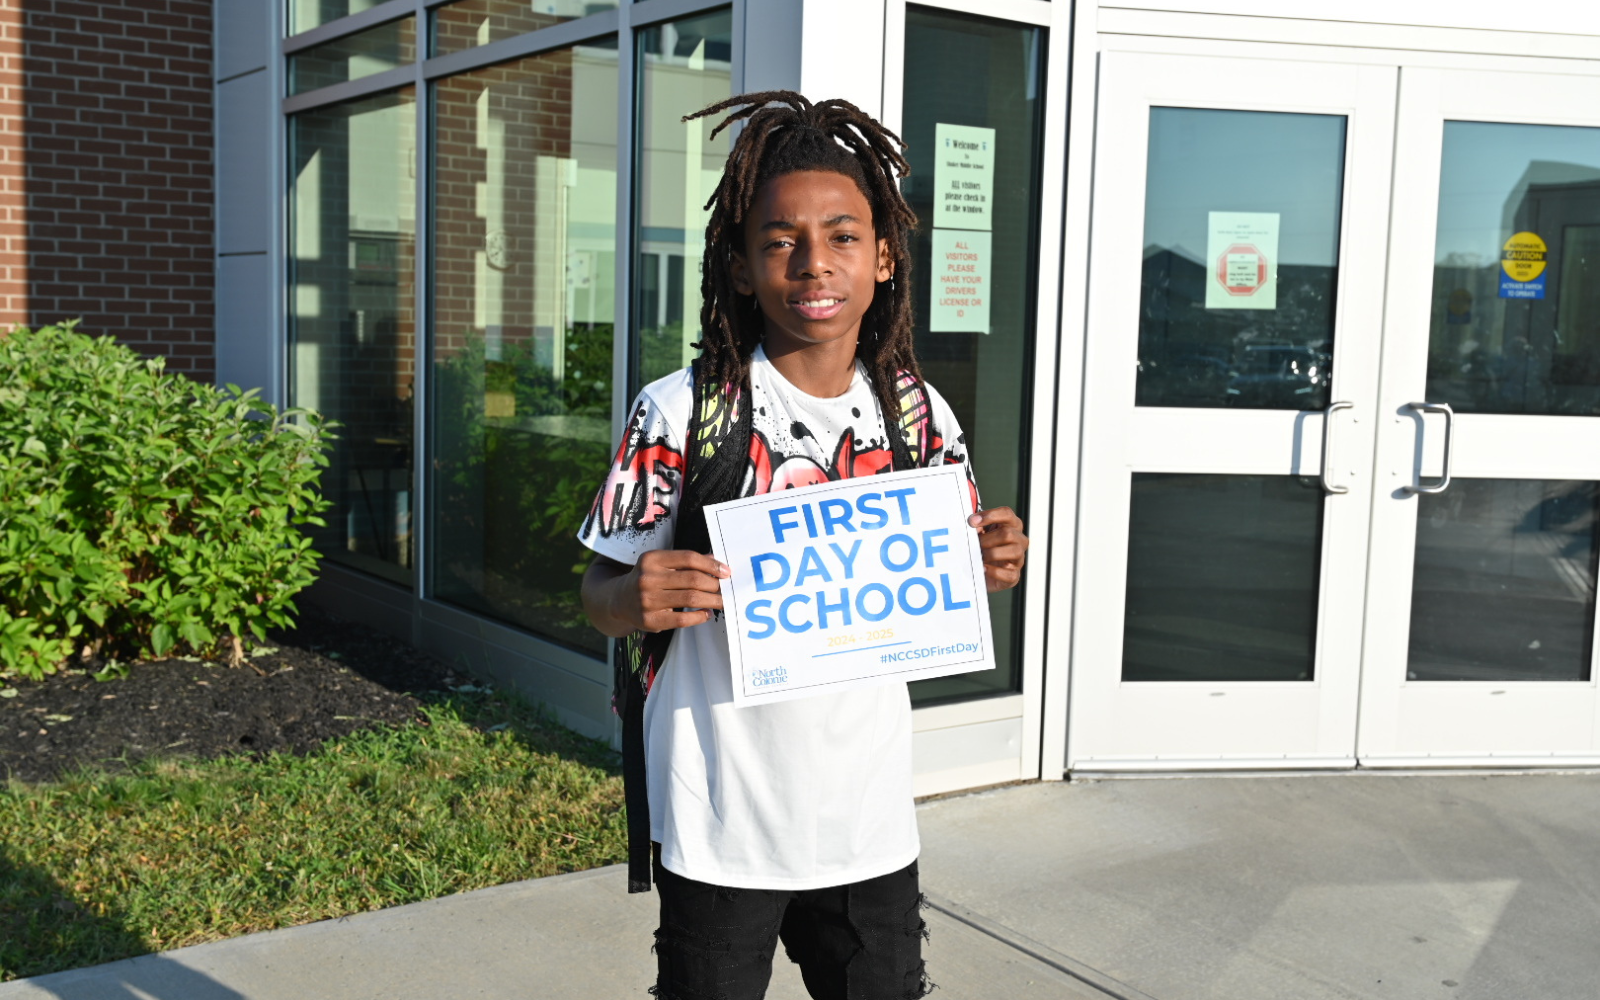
(1225, 36)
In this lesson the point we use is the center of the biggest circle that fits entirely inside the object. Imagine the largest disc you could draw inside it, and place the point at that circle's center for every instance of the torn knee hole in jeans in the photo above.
(678, 939)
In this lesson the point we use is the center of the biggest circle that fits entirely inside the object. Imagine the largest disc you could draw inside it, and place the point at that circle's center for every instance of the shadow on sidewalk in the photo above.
(41, 925)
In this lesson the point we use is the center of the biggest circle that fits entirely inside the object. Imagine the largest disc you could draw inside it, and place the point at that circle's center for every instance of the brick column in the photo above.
(106, 127)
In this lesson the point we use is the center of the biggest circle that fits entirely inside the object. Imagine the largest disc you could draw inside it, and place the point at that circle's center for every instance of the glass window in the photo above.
(307, 14)
(1504, 583)
(524, 214)
(1515, 326)
(683, 66)
(354, 56)
(1222, 578)
(467, 24)
(352, 246)
(973, 124)
(1241, 259)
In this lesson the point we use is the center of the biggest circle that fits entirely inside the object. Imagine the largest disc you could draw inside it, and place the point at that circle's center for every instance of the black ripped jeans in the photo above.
(861, 941)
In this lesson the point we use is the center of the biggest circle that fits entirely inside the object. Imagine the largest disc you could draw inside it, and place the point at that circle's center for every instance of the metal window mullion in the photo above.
(645, 13)
(557, 36)
(622, 307)
(393, 10)
(377, 83)
(421, 342)
(278, 242)
(622, 241)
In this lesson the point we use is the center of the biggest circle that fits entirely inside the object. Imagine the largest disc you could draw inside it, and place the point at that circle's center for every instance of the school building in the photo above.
(1274, 318)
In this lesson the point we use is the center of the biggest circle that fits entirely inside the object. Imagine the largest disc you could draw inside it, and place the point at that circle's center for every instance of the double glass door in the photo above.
(1340, 474)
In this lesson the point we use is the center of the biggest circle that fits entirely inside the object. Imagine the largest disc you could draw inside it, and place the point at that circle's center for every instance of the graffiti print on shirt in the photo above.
(641, 485)
(643, 482)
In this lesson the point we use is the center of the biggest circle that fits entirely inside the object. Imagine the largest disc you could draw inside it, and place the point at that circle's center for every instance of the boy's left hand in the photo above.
(1005, 547)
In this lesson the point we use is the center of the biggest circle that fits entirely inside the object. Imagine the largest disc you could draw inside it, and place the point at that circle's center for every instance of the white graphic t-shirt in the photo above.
(798, 794)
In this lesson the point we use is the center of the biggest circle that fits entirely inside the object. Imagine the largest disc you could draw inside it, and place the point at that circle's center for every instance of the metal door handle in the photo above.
(1327, 446)
(1449, 428)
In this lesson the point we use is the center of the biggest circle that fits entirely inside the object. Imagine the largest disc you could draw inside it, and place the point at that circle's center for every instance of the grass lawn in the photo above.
(98, 867)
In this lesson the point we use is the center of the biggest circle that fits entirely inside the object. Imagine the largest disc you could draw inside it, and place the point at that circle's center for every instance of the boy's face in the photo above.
(811, 259)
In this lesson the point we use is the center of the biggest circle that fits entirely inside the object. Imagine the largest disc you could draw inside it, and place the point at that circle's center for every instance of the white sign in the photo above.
(852, 583)
(960, 279)
(963, 177)
(1242, 260)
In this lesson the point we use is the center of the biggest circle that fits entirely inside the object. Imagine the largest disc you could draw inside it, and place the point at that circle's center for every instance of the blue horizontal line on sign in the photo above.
(861, 649)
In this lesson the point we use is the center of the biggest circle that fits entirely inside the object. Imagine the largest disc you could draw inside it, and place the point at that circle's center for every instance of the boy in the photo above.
(792, 820)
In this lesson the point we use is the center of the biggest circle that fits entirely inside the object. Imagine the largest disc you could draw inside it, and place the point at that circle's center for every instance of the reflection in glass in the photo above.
(1504, 583)
(354, 56)
(352, 240)
(1205, 161)
(307, 14)
(968, 71)
(1222, 578)
(1497, 344)
(467, 24)
(525, 245)
(683, 66)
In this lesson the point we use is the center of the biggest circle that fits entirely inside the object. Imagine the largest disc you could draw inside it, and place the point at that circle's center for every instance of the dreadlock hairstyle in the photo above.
(784, 134)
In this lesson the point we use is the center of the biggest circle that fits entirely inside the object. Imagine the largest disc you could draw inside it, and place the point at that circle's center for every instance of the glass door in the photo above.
(1236, 272)
(1480, 636)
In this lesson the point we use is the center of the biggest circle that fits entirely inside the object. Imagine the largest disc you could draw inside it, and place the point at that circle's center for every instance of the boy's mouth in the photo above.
(817, 308)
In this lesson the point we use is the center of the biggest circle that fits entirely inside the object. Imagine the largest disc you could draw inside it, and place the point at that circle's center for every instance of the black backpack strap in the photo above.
(628, 684)
(910, 434)
(637, 657)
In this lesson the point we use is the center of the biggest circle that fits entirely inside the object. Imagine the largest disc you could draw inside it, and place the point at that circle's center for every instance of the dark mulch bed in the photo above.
(327, 678)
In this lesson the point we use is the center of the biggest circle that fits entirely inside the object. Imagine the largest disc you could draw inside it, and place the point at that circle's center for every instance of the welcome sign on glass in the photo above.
(851, 583)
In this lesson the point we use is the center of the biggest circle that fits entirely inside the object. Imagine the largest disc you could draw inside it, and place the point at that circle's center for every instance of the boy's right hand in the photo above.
(648, 595)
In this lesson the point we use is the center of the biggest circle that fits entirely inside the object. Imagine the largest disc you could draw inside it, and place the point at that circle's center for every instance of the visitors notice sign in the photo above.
(1242, 251)
(852, 583)
(963, 220)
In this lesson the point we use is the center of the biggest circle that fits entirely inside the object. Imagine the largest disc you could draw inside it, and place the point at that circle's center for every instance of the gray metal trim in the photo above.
(421, 349)
(557, 36)
(581, 666)
(644, 13)
(394, 10)
(377, 83)
(278, 245)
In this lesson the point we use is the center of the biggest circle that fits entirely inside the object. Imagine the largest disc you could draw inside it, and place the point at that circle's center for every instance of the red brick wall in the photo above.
(105, 172)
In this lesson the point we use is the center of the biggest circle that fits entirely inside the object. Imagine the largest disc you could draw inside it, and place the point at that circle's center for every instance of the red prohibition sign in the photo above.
(1261, 269)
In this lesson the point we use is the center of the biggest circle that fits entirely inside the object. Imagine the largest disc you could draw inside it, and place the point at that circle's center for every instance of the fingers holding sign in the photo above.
(1004, 545)
(667, 580)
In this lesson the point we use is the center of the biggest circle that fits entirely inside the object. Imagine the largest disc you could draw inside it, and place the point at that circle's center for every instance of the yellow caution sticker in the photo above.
(1523, 260)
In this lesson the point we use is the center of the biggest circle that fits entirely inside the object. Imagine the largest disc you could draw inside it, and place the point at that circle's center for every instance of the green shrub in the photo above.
(141, 513)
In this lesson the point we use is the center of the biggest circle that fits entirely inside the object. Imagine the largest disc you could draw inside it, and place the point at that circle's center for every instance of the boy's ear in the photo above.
(740, 274)
(885, 265)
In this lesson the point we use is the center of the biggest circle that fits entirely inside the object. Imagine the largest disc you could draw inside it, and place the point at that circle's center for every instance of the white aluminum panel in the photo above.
(947, 760)
(1571, 18)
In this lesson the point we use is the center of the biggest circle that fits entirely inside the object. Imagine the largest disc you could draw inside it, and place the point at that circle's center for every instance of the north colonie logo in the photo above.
(1242, 269)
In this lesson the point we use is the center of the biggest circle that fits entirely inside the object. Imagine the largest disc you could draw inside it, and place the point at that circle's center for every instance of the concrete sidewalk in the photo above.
(1232, 888)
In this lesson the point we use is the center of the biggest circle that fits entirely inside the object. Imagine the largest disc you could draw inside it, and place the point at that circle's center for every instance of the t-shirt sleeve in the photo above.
(636, 508)
(948, 443)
